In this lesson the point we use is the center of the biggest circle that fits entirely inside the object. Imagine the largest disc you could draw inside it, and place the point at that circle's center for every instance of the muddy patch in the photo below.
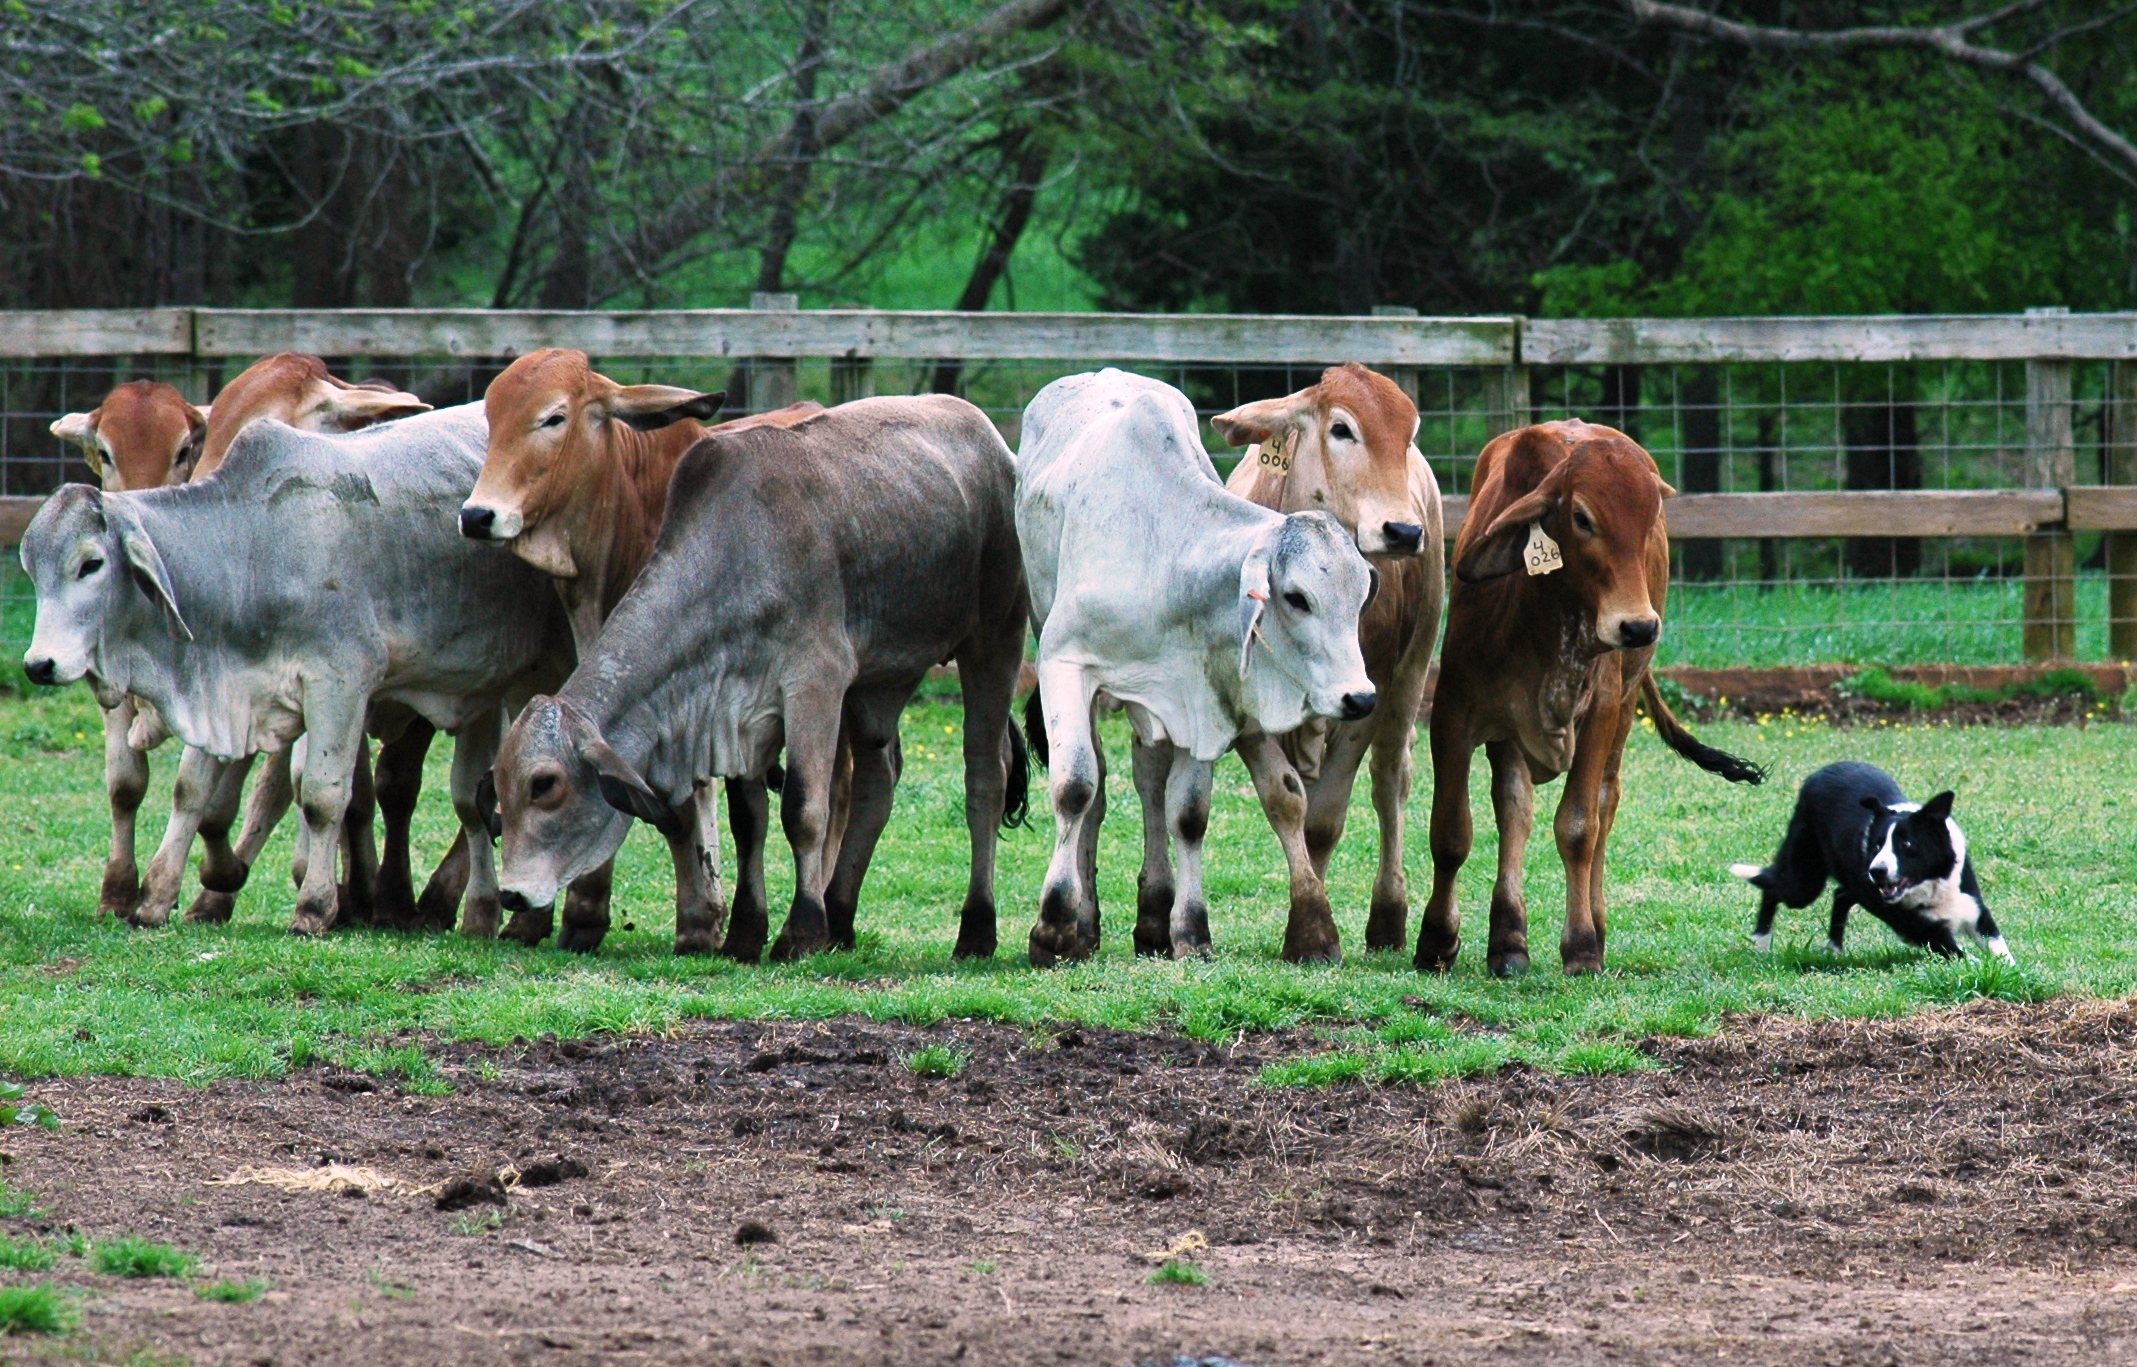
(1949, 1187)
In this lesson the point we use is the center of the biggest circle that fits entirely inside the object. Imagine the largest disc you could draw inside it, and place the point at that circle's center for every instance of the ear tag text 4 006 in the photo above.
(1541, 555)
(1276, 452)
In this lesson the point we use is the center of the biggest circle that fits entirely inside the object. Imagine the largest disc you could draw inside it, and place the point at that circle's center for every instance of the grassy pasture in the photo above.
(2048, 811)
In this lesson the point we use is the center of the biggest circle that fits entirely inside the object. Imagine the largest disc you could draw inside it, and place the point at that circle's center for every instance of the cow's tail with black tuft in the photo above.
(1035, 727)
(1685, 743)
(1016, 795)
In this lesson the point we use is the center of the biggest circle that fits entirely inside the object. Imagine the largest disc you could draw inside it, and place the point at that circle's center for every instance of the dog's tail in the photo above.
(1685, 743)
(1752, 874)
(1016, 797)
(1035, 727)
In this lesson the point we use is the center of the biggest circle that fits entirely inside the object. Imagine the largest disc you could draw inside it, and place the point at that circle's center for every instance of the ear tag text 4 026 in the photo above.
(1541, 555)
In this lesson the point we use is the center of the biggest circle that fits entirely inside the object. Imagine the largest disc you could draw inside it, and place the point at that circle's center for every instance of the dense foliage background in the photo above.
(1294, 155)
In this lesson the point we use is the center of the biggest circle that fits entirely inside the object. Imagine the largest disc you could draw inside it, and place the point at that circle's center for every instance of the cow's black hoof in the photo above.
(1511, 966)
(211, 907)
(581, 939)
(1435, 955)
(529, 927)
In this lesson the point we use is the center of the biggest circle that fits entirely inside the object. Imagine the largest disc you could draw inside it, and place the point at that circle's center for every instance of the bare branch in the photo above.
(1948, 40)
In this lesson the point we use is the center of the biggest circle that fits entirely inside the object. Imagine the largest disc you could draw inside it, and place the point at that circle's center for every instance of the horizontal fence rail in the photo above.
(1951, 489)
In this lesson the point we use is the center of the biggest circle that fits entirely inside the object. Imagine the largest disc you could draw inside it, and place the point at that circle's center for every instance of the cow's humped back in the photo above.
(423, 458)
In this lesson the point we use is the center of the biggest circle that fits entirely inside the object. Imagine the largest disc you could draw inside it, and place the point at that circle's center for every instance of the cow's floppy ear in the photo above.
(1372, 587)
(1254, 593)
(621, 786)
(1257, 421)
(144, 563)
(188, 453)
(1939, 807)
(79, 429)
(354, 406)
(650, 407)
(1497, 553)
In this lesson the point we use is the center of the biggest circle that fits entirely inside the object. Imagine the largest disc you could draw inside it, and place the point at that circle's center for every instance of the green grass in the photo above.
(16, 1205)
(25, 1255)
(232, 1292)
(130, 1255)
(1179, 1272)
(936, 1060)
(2048, 811)
(38, 1309)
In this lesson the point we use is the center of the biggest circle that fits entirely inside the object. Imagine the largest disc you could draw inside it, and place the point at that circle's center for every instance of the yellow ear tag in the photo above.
(1541, 555)
(1276, 451)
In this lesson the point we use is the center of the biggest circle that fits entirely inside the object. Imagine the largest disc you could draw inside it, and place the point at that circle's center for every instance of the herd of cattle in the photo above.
(609, 603)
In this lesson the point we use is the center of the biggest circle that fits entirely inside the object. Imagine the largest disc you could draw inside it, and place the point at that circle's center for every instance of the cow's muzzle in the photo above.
(1404, 538)
(1358, 706)
(42, 670)
(476, 523)
(1635, 632)
(514, 901)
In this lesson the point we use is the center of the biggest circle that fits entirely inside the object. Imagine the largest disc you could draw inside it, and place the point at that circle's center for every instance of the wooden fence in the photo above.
(2047, 512)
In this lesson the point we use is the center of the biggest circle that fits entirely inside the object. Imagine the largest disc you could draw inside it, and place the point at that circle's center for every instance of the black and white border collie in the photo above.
(1904, 863)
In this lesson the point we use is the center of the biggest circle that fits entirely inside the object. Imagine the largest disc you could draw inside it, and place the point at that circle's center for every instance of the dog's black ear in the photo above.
(1871, 804)
(1939, 806)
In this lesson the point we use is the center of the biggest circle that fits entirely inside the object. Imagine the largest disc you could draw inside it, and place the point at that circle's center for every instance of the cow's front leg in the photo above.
(812, 730)
(1579, 828)
(198, 773)
(447, 884)
(586, 913)
(358, 891)
(749, 817)
(125, 785)
(1439, 930)
(398, 781)
(1187, 813)
(334, 743)
(1310, 932)
(1608, 789)
(474, 750)
(700, 907)
(1513, 805)
(1076, 782)
(270, 797)
(222, 872)
(1156, 887)
(1387, 922)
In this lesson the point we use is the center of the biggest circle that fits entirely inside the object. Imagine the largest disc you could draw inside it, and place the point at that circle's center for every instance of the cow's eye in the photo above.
(1583, 523)
(553, 420)
(1297, 600)
(543, 786)
(1341, 432)
(89, 567)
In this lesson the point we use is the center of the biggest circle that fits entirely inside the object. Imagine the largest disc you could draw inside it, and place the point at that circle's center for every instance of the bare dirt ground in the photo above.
(1953, 1188)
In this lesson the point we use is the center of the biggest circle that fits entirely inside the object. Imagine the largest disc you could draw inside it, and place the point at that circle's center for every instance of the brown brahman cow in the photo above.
(1561, 569)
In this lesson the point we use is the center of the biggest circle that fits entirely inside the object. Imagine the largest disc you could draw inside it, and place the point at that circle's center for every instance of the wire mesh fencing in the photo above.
(1727, 428)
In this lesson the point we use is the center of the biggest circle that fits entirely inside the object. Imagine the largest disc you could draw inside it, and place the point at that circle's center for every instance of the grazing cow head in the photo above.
(552, 421)
(93, 566)
(1585, 506)
(1301, 591)
(1344, 447)
(565, 799)
(297, 390)
(144, 435)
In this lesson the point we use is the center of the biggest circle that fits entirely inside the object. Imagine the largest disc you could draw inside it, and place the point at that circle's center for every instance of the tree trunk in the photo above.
(1026, 159)
(1884, 452)
(786, 203)
(1621, 399)
(1700, 473)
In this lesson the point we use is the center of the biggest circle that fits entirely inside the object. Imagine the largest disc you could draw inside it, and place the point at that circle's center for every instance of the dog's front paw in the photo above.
(1761, 943)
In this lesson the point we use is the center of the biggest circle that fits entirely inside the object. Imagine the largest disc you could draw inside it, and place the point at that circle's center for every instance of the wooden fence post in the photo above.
(1506, 392)
(852, 377)
(2121, 546)
(774, 381)
(2051, 595)
(1403, 375)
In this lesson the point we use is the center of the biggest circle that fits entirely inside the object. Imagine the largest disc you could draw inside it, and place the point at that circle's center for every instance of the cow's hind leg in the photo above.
(125, 785)
(1187, 792)
(222, 872)
(357, 894)
(749, 921)
(870, 737)
(1580, 830)
(700, 907)
(398, 782)
(1156, 886)
(474, 750)
(1068, 901)
(1439, 930)
(1387, 922)
(198, 773)
(987, 677)
(812, 731)
(586, 913)
(447, 884)
(269, 799)
(1513, 806)
(1310, 932)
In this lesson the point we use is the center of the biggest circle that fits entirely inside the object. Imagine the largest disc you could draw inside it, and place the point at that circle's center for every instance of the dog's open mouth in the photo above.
(1894, 890)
